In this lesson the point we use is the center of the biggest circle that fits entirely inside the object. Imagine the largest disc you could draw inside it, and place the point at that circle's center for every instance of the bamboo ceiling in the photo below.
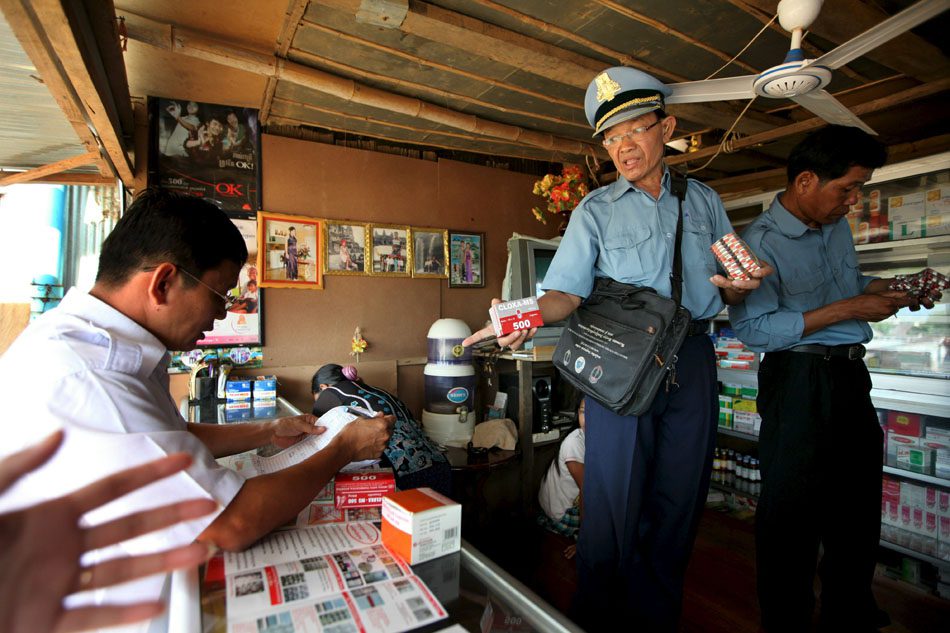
(507, 78)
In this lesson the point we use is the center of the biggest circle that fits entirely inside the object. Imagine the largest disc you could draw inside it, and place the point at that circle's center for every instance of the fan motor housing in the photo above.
(791, 80)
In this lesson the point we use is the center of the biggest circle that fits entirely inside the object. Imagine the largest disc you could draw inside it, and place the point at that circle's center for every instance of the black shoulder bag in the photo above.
(620, 343)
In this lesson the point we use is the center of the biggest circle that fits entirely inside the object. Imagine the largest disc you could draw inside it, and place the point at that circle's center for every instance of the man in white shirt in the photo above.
(96, 366)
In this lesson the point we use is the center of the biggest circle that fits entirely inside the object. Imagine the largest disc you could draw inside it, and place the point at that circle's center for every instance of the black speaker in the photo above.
(542, 397)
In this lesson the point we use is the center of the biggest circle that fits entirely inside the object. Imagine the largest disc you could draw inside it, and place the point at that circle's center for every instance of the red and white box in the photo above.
(363, 488)
(905, 423)
(516, 315)
(421, 524)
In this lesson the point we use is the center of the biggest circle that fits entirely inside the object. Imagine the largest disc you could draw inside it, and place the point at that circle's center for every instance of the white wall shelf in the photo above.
(937, 562)
(909, 474)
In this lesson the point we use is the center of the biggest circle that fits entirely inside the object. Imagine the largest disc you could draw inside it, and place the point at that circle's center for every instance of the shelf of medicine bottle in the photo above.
(732, 489)
(937, 562)
(742, 436)
(909, 474)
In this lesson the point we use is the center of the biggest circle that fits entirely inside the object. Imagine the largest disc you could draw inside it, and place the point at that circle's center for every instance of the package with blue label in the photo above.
(265, 388)
(237, 390)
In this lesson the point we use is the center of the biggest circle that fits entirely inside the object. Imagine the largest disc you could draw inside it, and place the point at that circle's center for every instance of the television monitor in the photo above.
(528, 263)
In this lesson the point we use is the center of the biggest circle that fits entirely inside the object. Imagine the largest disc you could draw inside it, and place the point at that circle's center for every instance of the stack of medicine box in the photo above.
(732, 354)
(914, 445)
(265, 390)
(350, 496)
(919, 214)
(737, 408)
(237, 395)
(916, 516)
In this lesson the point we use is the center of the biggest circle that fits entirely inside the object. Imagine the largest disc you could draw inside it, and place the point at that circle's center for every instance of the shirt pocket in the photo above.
(628, 254)
(696, 251)
(803, 282)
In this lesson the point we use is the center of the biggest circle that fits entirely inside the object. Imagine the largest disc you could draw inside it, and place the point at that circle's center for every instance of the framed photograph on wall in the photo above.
(207, 150)
(466, 260)
(390, 249)
(243, 324)
(345, 244)
(289, 253)
(430, 252)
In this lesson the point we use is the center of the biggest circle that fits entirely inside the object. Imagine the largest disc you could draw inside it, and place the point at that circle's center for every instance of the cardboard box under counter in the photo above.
(421, 524)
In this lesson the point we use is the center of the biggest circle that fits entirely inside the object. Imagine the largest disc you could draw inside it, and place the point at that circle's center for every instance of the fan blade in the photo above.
(831, 110)
(712, 90)
(886, 30)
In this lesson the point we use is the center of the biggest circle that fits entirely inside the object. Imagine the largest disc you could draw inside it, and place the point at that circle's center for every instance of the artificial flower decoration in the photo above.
(358, 344)
(562, 193)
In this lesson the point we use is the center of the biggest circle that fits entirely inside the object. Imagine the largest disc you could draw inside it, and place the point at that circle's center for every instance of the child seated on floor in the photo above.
(560, 494)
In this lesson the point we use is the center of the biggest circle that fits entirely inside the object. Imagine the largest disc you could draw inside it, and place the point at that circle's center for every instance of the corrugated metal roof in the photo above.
(35, 131)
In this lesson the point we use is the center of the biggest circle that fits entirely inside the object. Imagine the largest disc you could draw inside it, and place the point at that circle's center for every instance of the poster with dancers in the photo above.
(206, 150)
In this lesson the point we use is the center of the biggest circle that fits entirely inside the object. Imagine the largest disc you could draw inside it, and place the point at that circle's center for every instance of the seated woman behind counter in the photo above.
(415, 460)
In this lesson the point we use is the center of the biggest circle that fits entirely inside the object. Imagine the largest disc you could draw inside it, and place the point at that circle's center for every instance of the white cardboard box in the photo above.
(421, 524)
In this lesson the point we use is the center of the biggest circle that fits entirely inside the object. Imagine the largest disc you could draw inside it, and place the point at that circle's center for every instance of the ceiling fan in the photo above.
(803, 80)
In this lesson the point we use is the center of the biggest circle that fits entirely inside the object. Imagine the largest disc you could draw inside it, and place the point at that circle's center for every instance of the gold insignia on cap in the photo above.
(607, 88)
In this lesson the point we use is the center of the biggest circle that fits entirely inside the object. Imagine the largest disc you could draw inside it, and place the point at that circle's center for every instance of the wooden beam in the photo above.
(415, 59)
(74, 178)
(722, 113)
(419, 131)
(73, 55)
(842, 20)
(490, 42)
(350, 71)
(189, 43)
(541, 25)
(295, 11)
(883, 103)
(720, 116)
(666, 29)
(279, 120)
(35, 42)
(61, 165)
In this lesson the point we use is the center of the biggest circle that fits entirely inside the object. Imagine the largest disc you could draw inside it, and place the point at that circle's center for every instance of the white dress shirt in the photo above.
(89, 369)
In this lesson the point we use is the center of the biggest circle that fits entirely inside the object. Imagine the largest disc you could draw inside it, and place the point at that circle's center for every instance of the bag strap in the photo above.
(678, 185)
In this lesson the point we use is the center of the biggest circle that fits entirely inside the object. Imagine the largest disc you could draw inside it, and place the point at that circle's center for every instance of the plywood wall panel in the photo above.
(306, 328)
(498, 203)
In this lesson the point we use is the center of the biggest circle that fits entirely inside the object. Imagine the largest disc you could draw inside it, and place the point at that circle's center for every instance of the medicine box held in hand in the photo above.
(736, 257)
(421, 524)
(514, 316)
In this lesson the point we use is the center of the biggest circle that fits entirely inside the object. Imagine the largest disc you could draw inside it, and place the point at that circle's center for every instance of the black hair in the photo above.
(164, 226)
(327, 375)
(831, 151)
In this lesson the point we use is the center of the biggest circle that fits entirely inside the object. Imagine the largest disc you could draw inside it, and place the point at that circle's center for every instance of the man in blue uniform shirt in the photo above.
(820, 446)
(646, 476)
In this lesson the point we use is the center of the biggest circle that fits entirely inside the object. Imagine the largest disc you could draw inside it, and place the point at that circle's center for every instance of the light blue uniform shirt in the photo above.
(813, 267)
(622, 232)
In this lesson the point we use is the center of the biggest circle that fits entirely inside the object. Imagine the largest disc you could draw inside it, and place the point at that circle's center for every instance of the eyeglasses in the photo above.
(632, 134)
(228, 299)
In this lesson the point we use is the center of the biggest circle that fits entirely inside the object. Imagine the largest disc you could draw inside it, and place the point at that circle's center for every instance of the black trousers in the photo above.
(820, 450)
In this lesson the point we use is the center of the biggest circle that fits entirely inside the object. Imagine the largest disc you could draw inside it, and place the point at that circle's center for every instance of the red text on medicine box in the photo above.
(516, 315)
(363, 488)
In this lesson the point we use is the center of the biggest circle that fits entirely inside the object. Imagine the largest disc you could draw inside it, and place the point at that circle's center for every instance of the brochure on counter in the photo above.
(335, 578)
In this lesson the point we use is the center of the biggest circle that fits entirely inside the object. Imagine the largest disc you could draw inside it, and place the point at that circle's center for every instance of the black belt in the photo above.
(851, 352)
(697, 327)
